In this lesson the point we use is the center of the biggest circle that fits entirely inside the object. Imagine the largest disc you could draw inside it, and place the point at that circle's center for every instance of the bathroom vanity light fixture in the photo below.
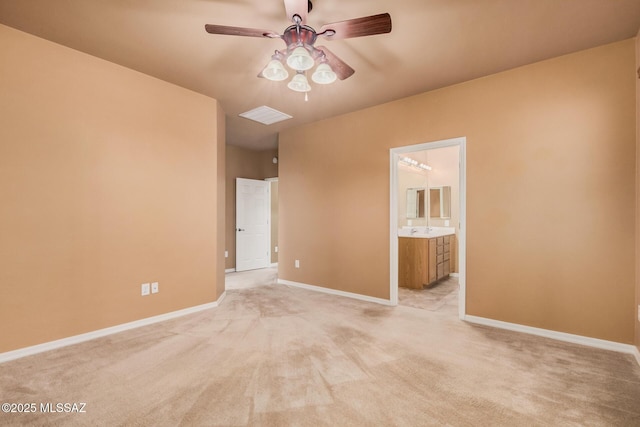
(414, 163)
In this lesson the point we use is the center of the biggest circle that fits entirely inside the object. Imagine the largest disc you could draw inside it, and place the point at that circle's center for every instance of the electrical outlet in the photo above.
(297, 263)
(144, 289)
(155, 287)
(276, 249)
(226, 254)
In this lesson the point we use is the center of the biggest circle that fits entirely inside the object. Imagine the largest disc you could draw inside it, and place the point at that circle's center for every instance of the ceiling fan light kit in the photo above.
(299, 83)
(300, 59)
(324, 75)
(301, 53)
(275, 71)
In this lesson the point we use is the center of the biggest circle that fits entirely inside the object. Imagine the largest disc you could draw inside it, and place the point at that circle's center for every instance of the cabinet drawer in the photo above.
(446, 256)
(440, 259)
(440, 250)
(440, 241)
(447, 240)
(447, 249)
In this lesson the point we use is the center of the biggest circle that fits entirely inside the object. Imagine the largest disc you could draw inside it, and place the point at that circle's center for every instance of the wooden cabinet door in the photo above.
(404, 261)
(412, 262)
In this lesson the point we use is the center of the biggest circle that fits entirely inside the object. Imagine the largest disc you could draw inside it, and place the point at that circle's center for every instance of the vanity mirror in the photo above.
(416, 203)
(440, 202)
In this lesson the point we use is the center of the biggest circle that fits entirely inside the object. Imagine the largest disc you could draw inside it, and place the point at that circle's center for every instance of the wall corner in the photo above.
(637, 231)
(220, 199)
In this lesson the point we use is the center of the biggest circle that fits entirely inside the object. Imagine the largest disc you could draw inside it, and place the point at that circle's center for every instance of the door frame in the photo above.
(271, 247)
(394, 156)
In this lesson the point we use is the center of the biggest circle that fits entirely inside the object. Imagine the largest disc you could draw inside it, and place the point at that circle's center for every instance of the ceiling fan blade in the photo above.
(338, 66)
(239, 31)
(359, 27)
(297, 7)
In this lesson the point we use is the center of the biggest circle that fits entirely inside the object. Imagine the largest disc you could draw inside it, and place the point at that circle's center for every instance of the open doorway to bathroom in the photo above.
(428, 217)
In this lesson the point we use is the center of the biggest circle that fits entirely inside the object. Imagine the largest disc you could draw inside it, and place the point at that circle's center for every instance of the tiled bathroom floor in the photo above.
(441, 296)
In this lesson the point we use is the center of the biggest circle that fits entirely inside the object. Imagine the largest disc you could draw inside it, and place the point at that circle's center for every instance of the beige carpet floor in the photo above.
(273, 355)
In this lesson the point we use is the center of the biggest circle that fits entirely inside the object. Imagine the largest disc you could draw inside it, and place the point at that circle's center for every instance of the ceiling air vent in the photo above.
(265, 115)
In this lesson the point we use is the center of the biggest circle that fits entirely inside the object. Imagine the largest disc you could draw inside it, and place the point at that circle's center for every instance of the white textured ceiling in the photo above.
(434, 43)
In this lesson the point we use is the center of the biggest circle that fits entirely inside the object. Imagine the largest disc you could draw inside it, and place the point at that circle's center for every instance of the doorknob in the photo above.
(240, 229)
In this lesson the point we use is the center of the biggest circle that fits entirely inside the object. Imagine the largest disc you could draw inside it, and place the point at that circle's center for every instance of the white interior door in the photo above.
(253, 211)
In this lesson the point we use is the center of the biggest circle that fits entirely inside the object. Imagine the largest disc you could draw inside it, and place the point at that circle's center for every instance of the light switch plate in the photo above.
(297, 263)
(145, 288)
(155, 288)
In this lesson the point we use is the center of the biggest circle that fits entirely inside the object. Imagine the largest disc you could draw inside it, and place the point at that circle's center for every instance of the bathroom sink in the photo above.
(425, 232)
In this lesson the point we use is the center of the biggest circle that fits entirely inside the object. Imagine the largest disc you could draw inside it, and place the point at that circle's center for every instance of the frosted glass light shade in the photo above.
(300, 60)
(299, 83)
(324, 75)
(275, 71)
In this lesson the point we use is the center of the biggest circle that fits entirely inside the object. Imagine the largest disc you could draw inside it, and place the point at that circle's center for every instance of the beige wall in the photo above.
(637, 307)
(221, 158)
(550, 192)
(243, 163)
(108, 179)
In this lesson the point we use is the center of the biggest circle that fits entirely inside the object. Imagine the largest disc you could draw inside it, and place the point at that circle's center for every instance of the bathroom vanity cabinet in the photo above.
(423, 261)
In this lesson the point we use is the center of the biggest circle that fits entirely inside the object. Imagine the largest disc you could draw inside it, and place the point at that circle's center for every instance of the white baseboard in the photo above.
(335, 292)
(230, 270)
(636, 353)
(454, 274)
(76, 339)
(220, 299)
(560, 336)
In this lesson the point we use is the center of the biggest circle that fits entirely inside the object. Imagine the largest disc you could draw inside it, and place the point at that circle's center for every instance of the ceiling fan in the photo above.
(301, 54)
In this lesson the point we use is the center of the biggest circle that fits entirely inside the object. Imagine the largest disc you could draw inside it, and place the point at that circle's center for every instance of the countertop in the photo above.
(425, 232)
